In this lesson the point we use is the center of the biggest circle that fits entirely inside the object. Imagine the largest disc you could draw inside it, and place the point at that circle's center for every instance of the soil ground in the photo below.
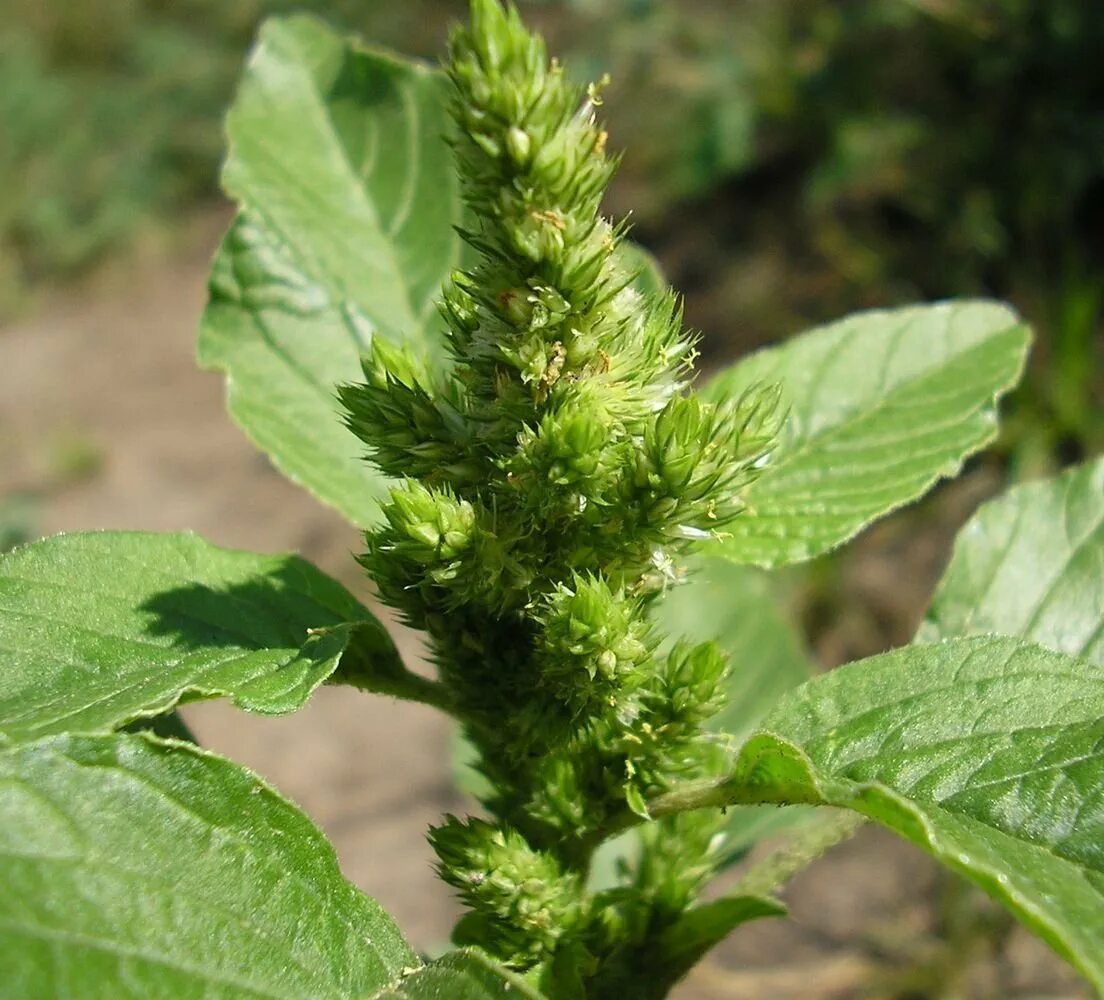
(105, 422)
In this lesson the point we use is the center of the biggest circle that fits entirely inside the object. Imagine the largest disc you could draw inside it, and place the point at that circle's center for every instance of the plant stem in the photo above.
(711, 793)
(410, 686)
(371, 662)
(692, 795)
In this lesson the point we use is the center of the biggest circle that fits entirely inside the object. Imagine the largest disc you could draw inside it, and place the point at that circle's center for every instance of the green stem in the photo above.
(371, 662)
(410, 686)
(692, 795)
(704, 794)
(712, 793)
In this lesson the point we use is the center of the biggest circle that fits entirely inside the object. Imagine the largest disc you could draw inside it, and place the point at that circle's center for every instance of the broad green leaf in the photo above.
(738, 608)
(100, 629)
(988, 752)
(340, 151)
(339, 163)
(882, 405)
(1031, 563)
(137, 868)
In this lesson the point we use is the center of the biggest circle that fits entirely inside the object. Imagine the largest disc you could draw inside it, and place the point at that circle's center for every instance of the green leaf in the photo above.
(1031, 563)
(738, 607)
(137, 868)
(340, 151)
(349, 198)
(882, 405)
(100, 629)
(988, 752)
(284, 346)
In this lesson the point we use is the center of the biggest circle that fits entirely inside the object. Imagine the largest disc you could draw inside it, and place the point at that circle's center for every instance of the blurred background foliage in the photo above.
(789, 160)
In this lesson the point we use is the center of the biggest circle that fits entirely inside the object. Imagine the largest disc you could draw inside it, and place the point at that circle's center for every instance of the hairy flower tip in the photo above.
(523, 901)
(533, 167)
(520, 119)
(593, 642)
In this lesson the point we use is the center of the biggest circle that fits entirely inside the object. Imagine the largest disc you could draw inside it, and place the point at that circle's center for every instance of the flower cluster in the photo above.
(550, 483)
(523, 902)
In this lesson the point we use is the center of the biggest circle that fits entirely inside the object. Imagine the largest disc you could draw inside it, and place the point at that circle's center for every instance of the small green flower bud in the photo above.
(560, 801)
(549, 306)
(591, 633)
(487, 143)
(533, 357)
(517, 306)
(518, 145)
(567, 449)
(407, 432)
(436, 524)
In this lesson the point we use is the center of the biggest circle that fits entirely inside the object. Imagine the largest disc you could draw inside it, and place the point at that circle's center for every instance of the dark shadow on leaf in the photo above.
(280, 609)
